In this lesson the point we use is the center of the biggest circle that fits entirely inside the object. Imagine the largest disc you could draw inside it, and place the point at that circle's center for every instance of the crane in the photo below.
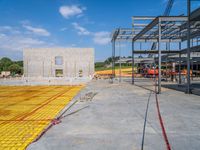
(166, 13)
(168, 8)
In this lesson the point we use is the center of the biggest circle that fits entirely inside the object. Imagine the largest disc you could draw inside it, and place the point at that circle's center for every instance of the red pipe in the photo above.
(162, 125)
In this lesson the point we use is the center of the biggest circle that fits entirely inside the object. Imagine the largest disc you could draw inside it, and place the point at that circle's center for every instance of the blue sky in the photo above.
(70, 23)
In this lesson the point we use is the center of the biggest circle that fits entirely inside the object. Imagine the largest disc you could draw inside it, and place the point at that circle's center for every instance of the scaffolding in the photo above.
(162, 30)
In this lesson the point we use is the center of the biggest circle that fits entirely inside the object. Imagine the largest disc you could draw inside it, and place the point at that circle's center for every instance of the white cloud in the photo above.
(37, 31)
(5, 28)
(64, 29)
(2, 35)
(11, 40)
(102, 38)
(73, 45)
(9, 29)
(30, 41)
(81, 30)
(70, 11)
(16, 43)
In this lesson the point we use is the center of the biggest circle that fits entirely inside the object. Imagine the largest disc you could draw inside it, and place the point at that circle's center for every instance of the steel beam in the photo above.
(173, 18)
(143, 17)
(146, 29)
(147, 40)
(115, 34)
(183, 51)
(192, 35)
(195, 15)
(192, 49)
(156, 51)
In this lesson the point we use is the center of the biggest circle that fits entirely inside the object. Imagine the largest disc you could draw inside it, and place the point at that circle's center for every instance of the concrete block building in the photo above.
(58, 62)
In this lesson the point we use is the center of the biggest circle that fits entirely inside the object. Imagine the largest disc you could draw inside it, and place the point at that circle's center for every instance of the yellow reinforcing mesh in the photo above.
(25, 111)
(126, 72)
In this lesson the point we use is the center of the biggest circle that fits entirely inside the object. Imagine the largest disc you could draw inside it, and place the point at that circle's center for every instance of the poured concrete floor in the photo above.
(114, 121)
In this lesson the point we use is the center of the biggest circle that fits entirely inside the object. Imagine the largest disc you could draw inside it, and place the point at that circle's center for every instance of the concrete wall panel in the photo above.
(40, 62)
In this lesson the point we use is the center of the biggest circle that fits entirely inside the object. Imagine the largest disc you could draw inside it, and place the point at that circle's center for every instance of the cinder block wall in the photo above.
(40, 62)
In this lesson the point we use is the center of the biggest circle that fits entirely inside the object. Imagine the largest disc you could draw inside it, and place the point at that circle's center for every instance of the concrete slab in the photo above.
(115, 116)
(21, 81)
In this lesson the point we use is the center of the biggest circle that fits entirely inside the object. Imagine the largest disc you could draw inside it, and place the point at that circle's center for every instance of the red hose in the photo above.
(162, 125)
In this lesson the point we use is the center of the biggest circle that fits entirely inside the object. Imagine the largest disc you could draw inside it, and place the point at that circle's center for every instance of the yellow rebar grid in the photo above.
(25, 111)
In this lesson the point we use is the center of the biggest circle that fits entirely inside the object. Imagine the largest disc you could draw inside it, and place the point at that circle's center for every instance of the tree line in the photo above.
(107, 63)
(15, 67)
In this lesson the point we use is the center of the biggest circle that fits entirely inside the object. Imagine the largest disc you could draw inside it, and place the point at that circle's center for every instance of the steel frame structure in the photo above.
(161, 29)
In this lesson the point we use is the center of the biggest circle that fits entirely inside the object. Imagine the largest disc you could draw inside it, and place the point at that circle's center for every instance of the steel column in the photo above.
(133, 63)
(168, 48)
(192, 69)
(179, 66)
(188, 48)
(159, 56)
(120, 65)
(113, 60)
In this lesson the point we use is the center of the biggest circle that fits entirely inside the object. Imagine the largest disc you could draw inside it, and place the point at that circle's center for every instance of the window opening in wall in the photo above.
(81, 73)
(59, 72)
(58, 60)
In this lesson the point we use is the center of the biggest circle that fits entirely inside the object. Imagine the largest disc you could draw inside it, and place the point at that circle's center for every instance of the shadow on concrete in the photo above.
(195, 87)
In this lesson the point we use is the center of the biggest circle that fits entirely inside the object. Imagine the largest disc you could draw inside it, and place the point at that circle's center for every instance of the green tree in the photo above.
(15, 69)
(5, 63)
(99, 64)
(109, 59)
(20, 63)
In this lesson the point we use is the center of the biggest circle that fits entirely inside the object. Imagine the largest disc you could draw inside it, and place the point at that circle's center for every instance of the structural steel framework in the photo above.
(162, 30)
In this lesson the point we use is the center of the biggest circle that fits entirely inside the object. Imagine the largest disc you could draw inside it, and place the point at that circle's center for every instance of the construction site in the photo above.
(148, 101)
(179, 62)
